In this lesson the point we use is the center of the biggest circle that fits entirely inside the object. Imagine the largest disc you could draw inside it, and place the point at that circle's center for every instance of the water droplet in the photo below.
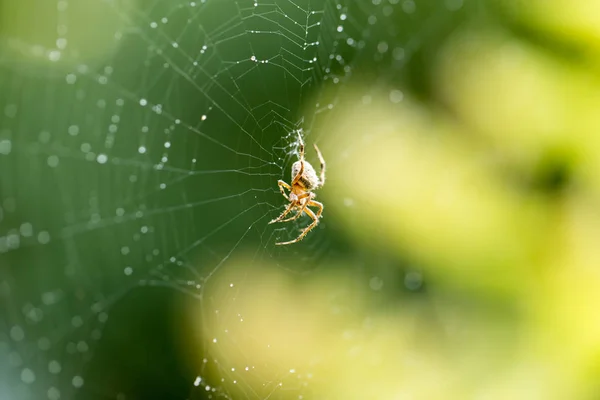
(53, 393)
(77, 321)
(10, 110)
(26, 229)
(413, 280)
(77, 381)
(53, 161)
(43, 237)
(376, 283)
(5, 146)
(27, 376)
(54, 55)
(44, 343)
(396, 96)
(54, 367)
(16, 333)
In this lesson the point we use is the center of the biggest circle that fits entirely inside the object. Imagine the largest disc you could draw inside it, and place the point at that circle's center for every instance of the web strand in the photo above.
(155, 165)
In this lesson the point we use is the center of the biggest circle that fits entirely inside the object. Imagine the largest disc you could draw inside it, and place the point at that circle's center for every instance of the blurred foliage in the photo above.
(459, 255)
(491, 186)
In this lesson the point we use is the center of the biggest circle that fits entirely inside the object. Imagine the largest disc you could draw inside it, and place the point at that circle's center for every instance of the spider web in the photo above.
(155, 166)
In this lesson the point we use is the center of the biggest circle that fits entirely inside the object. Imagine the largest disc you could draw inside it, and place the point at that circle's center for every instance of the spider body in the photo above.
(309, 179)
(301, 196)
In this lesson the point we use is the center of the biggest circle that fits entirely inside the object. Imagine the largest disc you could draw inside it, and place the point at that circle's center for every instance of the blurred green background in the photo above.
(140, 146)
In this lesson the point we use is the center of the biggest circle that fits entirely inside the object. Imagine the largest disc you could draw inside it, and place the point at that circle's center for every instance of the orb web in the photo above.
(148, 168)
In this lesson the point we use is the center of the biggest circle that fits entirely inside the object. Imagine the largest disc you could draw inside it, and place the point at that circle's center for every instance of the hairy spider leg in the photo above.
(314, 203)
(284, 213)
(299, 174)
(304, 205)
(292, 205)
(282, 185)
(315, 218)
(322, 161)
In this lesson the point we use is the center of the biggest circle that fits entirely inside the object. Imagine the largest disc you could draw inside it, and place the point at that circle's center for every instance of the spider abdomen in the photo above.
(309, 179)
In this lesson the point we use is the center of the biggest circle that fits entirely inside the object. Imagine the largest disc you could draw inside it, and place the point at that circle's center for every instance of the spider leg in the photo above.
(301, 155)
(300, 173)
(283, 214)
(300, 146)
(299, 212)
(311, 226)
(322, 161)
(314, 203)
(282, 185)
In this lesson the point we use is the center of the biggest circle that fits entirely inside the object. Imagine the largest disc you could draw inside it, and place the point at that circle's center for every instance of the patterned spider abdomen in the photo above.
(309, 179)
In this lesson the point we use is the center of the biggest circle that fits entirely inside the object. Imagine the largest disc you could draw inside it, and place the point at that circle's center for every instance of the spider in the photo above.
(304, 181)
